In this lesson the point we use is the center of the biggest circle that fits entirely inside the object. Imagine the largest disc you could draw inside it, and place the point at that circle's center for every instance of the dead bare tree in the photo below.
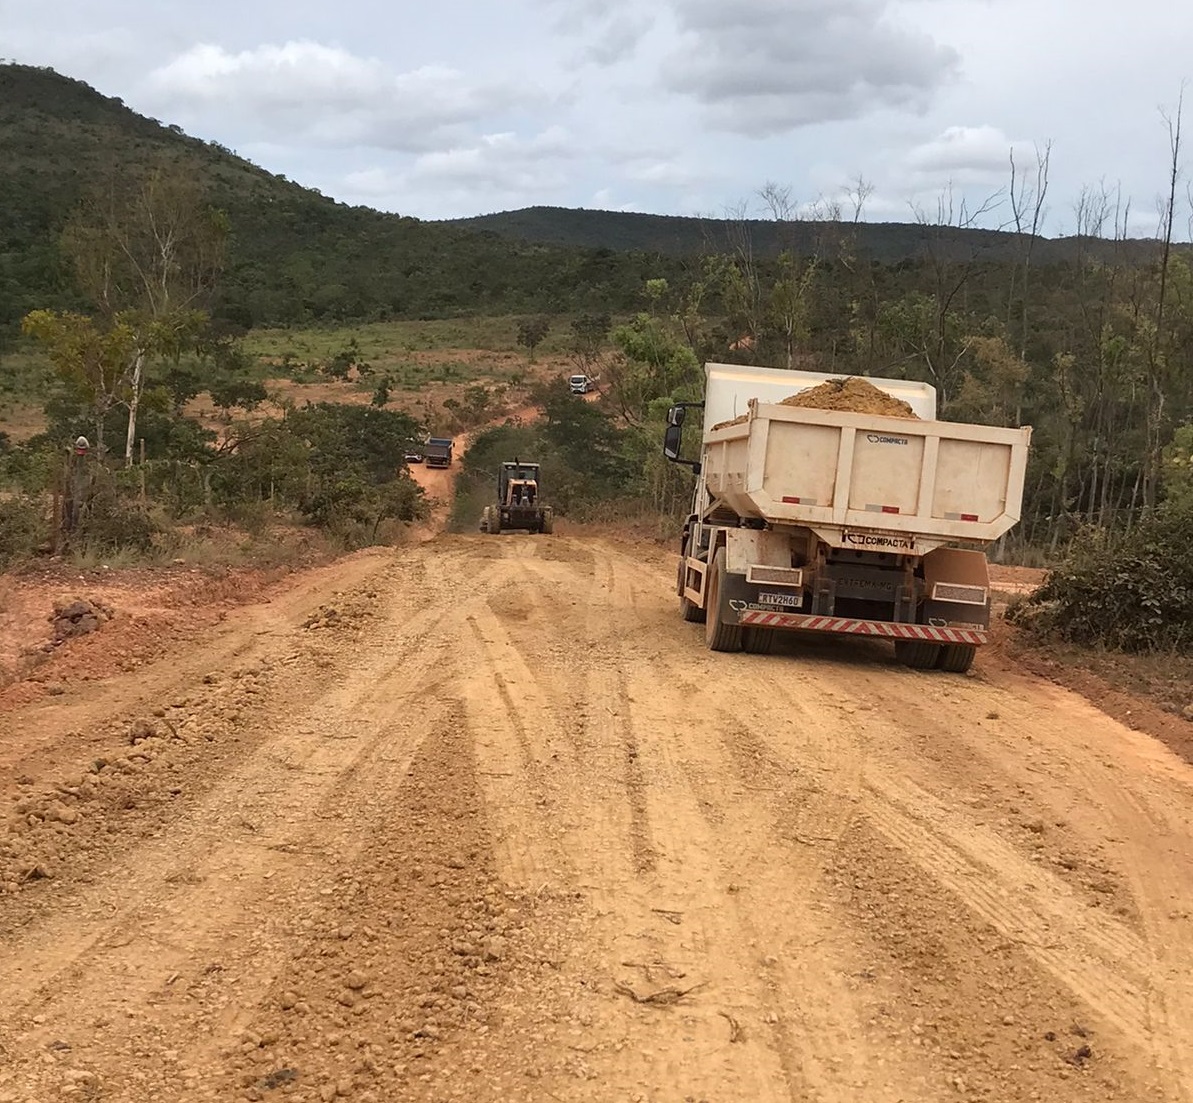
(1027, 199)
(952, 259)
(1158, 366)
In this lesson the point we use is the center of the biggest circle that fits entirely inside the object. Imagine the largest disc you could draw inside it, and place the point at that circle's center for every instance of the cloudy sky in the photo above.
(462, 107)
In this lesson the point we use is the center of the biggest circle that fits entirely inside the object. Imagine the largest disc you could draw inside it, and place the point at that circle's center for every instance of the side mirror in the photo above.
(675, 416)
(672, 437)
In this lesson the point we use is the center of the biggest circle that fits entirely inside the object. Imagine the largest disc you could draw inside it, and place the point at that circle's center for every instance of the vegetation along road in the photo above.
(481, 819)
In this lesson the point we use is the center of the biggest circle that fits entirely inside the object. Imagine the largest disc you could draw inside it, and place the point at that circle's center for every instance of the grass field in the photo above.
(433, 360)
(389, 341)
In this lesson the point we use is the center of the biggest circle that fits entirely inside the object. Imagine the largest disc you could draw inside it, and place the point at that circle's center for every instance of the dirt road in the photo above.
(481, 819)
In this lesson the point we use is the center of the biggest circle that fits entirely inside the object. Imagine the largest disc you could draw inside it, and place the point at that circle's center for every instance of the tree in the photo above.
(652, 365)
(532, 332)
(147, 248)
(1027, 211)
(247, 394)
(589, 332)
(788, 306)
(92, 361)
(381, 394)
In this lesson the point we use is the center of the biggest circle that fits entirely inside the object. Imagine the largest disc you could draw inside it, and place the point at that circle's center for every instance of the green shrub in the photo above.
(23, 528)
(113, 519)
(1129, 593)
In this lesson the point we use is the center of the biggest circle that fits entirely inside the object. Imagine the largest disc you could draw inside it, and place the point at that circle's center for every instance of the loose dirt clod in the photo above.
(78, 617)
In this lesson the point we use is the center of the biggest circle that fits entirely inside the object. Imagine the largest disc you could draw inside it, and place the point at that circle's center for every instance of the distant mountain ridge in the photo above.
(679, 236)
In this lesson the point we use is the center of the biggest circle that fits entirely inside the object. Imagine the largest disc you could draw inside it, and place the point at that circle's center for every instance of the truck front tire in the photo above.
(718, 635)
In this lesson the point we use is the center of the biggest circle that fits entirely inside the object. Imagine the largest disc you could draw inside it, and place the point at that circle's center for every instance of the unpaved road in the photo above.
(499, 828)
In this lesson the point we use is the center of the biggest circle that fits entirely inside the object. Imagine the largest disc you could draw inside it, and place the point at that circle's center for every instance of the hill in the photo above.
(298, 256)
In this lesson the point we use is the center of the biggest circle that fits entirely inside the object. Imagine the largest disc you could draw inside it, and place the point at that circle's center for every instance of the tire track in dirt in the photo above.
(422, 875)
(1070, 952)
(841, 732)
(1102, 907)
(758, 992)
(328, 757)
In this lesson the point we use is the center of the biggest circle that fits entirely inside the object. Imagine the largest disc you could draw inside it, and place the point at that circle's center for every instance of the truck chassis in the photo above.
(736, 582)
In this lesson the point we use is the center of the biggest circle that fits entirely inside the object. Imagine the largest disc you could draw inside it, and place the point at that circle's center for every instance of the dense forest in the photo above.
(1089, 339)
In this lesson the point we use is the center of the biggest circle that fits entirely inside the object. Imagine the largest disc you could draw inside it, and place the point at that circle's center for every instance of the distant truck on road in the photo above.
(829, 520)
(582, 384)
(437, 451)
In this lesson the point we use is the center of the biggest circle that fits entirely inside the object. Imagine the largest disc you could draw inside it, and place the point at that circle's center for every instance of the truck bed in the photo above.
(867, 482)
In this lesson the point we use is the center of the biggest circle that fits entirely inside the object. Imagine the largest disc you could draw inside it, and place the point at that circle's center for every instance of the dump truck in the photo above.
(519, 502)
(437, 451)
(808, 519)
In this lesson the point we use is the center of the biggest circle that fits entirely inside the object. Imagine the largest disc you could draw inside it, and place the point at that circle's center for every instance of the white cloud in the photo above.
(669, 173)
(603, 200)
(508, 170)
(503, 161)
(977, 154)
(762, 67)
(671, 106)
(327, 96)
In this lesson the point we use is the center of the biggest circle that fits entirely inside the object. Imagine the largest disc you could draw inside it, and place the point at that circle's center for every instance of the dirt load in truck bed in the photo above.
(853, 394)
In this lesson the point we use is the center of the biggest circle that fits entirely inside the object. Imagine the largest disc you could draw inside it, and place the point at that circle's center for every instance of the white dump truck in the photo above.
(827, 520)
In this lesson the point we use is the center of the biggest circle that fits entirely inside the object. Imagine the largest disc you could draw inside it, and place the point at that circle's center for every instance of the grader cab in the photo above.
(519, 504)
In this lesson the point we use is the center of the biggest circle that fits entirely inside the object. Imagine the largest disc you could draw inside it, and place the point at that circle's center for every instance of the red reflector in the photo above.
(791, 501)
(890, 509)
(969, 517)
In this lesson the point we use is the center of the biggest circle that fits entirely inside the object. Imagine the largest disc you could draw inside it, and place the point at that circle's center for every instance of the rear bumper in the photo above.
(887, 630)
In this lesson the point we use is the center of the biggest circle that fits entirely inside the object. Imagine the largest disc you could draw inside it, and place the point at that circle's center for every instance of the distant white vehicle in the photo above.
(582, 384)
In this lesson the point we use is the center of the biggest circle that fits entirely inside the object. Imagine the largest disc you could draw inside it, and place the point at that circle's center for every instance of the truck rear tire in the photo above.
(718, 635)
(548, 522)
(917, 654)
(956, 658)
(758, 641)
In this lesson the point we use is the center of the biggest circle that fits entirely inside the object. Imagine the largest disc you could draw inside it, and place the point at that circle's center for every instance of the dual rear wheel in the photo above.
(954, 658)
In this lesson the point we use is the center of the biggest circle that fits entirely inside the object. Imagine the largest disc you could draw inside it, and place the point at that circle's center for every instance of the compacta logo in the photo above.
(874, 540)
